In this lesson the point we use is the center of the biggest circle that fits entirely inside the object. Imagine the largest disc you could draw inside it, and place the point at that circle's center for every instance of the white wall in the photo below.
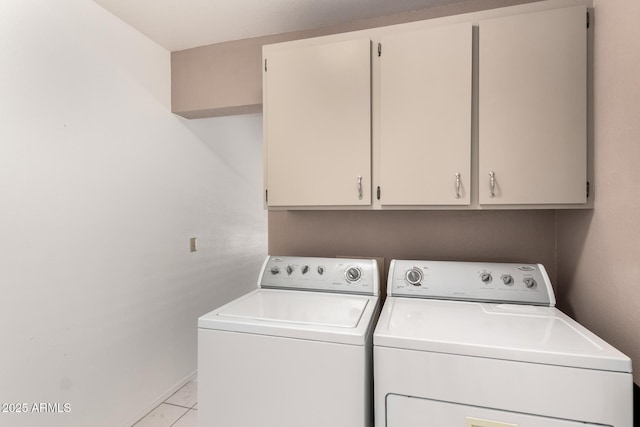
(599, 250)
(101, 188)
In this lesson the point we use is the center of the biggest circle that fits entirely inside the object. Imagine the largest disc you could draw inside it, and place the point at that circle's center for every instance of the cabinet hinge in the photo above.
(588, 189)
(379, 49)
(266, 195)
(378, 193)
(588, 19)
(265, 64)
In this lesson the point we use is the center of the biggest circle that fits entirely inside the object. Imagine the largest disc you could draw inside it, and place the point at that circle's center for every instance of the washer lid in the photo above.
(501, 331)
(318, 316)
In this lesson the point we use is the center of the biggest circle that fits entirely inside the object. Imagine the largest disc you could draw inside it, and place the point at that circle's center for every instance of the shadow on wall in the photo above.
(573, 227)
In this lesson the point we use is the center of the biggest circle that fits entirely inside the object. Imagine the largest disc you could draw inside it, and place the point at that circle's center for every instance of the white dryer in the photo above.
(482, 345)
(295, 352)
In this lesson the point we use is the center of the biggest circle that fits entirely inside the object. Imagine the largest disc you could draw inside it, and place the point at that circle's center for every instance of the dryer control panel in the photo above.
(346, 275)
(471, 281)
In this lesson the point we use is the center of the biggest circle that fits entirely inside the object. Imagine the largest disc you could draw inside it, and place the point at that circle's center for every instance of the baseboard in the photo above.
(164, 396)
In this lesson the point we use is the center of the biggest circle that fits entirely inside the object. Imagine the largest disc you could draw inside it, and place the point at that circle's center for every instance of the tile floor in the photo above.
(179, 410)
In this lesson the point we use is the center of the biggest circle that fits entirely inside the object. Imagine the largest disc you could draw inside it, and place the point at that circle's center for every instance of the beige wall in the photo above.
(599, 251)
(503, 236)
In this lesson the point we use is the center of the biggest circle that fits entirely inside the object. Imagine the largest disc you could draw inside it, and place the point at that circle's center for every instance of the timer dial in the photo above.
(353, 274)
(413, 276)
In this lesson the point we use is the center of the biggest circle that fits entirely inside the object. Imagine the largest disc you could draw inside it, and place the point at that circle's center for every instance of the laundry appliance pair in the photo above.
(456, 344)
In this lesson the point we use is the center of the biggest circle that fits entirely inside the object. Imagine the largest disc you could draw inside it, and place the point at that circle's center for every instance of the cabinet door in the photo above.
(425, 117)
(318, 124)
(533, 108)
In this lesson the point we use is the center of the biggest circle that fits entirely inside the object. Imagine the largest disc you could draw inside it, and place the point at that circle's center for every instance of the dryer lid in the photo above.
(501, 331)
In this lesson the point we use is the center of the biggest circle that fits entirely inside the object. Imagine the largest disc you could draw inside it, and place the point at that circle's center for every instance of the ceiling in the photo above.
(183, 24)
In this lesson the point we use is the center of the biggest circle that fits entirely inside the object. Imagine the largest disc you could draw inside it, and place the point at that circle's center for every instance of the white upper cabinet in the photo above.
(486, 110)
(533, 108)
(425, 116)
(317, 113)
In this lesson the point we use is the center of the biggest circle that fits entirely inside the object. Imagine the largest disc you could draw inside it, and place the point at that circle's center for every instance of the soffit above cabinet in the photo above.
(225, 78)
(179, 25)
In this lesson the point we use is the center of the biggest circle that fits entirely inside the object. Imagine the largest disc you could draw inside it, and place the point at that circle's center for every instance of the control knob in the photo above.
(413, 276)
(353, 274)
(530, 282)
(275, 270)
(320, 270)
(486, 277)
(507, 279)
(289, 270)
(305, 269)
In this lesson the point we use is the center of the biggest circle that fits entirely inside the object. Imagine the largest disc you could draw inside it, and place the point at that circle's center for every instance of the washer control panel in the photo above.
(471, 281)
(321, 274)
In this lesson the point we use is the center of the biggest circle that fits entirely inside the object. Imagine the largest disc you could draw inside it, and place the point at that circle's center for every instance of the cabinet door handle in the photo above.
(360, 187)
(492, 184)
(457, 185)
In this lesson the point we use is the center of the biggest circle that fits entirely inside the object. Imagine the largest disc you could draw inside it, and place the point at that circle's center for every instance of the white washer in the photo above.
(295, 352)
(482, 345)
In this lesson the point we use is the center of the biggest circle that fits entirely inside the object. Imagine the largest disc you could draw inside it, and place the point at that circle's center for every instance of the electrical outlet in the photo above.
(193, 244)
